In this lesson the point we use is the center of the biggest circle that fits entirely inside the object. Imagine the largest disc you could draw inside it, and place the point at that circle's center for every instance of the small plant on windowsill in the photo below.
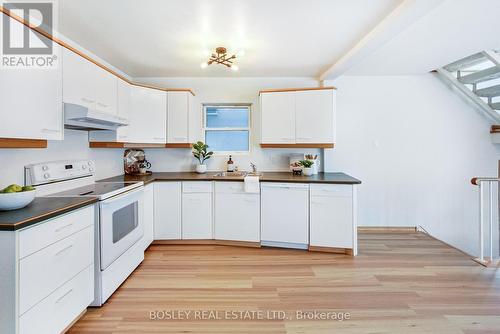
(201, 153)
(306, 167)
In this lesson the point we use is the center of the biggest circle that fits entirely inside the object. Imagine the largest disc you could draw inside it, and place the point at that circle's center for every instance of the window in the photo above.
(227, 128)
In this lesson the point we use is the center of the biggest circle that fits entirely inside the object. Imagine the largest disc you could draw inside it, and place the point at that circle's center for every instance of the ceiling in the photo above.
(154, 38)
(453, 30)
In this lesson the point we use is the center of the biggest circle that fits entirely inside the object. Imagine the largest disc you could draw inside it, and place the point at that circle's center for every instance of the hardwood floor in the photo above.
(399, 283)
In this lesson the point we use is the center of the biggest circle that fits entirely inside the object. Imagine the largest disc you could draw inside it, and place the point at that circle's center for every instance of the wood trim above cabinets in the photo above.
(22, 143)
(81, 54)
(305, 145)
(178, 145)
(295, 89)
(109, 144)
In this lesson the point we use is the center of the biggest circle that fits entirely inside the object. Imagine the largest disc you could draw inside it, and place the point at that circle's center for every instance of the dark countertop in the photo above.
(330, 178)
(42, 208)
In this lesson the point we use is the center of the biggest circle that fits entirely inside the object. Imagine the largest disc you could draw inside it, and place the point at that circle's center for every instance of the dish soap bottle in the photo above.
(230, 165)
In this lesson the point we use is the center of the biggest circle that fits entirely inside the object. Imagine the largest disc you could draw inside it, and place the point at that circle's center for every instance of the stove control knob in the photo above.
(91, 169)
(45, 167)
(46, 175)
(90, 163)
(84, 167)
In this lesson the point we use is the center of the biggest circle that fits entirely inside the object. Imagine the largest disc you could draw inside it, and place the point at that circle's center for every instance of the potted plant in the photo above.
(201, 154)
(306, 167)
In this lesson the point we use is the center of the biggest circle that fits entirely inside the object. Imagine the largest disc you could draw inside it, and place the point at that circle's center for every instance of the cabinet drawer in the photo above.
(46, 270)
(230, 187)
(62, 307)
(35, 238)
(335, 190)
(197, 187)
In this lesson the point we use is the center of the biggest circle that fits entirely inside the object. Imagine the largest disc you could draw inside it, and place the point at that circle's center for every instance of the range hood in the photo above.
(78, 117)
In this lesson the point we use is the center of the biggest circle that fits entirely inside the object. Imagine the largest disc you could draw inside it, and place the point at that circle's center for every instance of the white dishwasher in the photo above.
(285, 215)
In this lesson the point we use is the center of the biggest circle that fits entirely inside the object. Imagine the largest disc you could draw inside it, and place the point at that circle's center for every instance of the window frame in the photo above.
(248, 128)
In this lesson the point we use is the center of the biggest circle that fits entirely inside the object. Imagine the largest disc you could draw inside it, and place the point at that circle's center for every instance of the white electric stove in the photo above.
(119, 217)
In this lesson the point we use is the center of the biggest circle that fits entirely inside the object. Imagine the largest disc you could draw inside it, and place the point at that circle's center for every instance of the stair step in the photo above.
(489, 91)
(465, 62)
(495, 105)
(480, 76)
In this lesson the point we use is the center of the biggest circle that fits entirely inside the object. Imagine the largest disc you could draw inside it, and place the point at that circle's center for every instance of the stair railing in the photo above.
(486, 183)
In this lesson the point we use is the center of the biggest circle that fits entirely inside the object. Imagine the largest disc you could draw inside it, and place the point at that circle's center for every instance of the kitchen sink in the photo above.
(238, 174)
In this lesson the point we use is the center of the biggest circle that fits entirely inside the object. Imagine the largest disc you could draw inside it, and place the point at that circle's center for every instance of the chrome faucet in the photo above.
(254, 167)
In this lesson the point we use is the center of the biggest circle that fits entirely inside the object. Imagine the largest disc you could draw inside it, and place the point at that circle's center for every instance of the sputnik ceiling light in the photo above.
(221, 57)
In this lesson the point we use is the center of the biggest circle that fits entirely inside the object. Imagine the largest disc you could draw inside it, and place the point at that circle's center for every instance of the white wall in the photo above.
(74, 146)
(227, 90)
(415, 144)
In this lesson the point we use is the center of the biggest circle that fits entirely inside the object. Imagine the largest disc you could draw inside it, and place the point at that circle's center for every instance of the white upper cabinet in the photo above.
(148, 116)
(178, 116)
(105, 91)
(314, 116)
(87, 84)
(32, 102)
(298, 117)
(278, 118)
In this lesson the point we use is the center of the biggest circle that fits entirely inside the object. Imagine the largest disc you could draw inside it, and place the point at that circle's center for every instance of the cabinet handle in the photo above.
(63, 227)
(84, 99)
(159, 138)
(180, 138)
(102, 105)
(304, 138)
(65, 249)
(45, 130)
(63, 296)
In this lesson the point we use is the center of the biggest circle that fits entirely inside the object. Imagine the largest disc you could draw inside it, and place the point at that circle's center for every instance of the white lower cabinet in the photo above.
(148, 237)
(285, 215)
(57, 311)
(332, 222)
(237, 214)
(197, 210)
(167, 210)
(54, 284)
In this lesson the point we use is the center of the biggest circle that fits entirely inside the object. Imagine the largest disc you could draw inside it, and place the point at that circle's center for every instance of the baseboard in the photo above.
(335, 250)
(388, 229)
(208, 242)
(74, 321)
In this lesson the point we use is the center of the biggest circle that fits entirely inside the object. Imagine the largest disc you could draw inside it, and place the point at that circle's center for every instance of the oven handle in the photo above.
(134, 193)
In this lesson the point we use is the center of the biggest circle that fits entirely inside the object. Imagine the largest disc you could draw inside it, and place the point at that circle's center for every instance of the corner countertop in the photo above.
(42, 208)
(328, 178)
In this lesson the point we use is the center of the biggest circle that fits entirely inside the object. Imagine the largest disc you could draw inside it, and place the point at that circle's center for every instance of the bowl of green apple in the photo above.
(16, 197)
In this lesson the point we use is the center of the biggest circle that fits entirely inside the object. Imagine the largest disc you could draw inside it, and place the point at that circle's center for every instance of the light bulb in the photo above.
(204, 65)
(235, 67)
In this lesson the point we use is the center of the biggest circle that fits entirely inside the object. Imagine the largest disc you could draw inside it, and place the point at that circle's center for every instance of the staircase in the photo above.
(478, 78)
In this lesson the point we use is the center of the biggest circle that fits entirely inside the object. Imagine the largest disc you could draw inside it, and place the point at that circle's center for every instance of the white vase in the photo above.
(201, 169)
(307, 171)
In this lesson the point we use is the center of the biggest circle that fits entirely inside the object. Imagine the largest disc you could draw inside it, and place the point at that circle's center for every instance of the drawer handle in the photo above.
(84, 99)
(102, 104)
(63, 227)
(45, 130)
(159, 138)
(180, 138)
(65, 249)
(63, 296)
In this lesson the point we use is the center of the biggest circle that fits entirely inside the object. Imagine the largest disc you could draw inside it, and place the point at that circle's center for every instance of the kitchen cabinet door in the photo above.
(331, 219)
(78, 80)
(167, 210)
(237, 214)
(197, 213)
(178, 117)
(148, 116)
(123, 110)
(314, 111)
(105, 91)
(285, 215)
(32, 102)
(148, 237)
(277, 117)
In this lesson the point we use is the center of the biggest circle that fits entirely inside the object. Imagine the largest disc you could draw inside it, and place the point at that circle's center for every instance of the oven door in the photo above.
(121, 220)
